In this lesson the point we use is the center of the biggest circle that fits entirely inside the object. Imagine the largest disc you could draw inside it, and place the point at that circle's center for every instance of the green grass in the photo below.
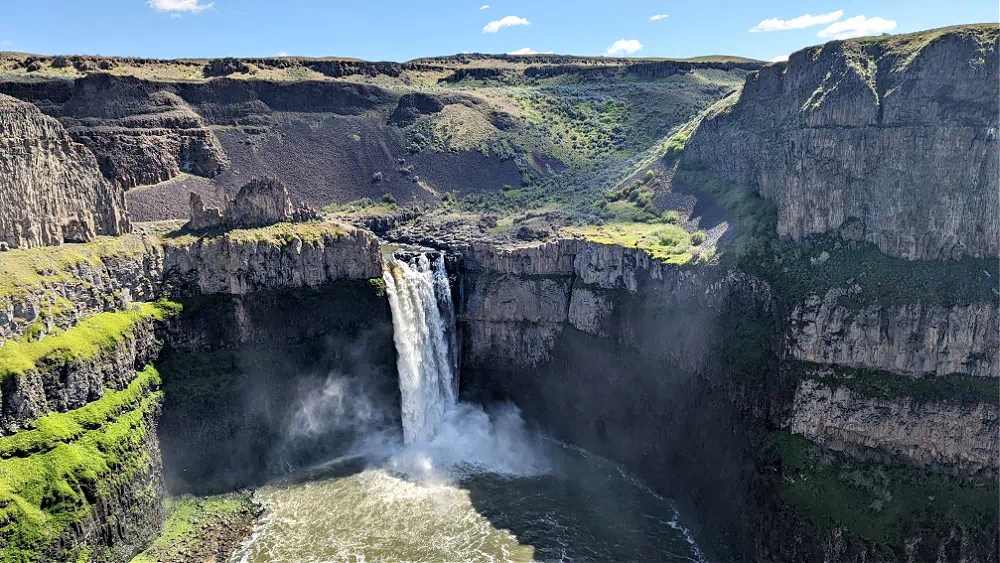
(83, 341)
(188, 517)
(664, 242)
(880, 505)
(44, 493)
(365, 206)
(281, 234)
(53, 429)
(884, 385)
(24, 270)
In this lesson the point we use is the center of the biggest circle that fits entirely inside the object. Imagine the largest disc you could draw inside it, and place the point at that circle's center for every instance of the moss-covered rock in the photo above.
(70, 369)
(814, 504)
(85, 483)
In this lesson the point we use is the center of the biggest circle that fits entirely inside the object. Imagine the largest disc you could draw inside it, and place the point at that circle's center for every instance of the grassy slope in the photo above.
(53, 477)
(877, 505)
(201, 527)
(280, 234)
(30, 268)
(83, 341)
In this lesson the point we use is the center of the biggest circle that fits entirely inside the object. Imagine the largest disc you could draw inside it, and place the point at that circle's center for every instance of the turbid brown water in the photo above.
(574, 507)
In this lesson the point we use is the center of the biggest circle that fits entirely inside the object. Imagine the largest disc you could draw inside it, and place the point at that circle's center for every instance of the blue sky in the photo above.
(402, 30)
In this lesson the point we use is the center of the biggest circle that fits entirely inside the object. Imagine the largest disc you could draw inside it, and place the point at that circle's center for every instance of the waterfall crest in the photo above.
(423, 321)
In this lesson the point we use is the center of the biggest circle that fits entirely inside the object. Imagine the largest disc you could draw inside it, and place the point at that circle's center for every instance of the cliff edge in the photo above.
(890, 140)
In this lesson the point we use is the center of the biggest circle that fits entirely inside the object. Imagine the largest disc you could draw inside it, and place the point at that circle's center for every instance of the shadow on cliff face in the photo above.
(674, 393)
(237, 414)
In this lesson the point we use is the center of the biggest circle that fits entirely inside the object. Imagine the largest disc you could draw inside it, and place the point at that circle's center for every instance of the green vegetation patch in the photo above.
(877, 384)
(879, 505)
(814, 265)
(667, 243)
(42, 494)
(83, 341)
(194, 524)
(280, 234)
(364, 206)
(49, 431)
(31, 268)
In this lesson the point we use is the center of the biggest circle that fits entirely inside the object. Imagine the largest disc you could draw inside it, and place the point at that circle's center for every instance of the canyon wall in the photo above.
(908, 338)
(658, 367)
(108, 274)
(849, 137)
(53, 190)
(81, 429)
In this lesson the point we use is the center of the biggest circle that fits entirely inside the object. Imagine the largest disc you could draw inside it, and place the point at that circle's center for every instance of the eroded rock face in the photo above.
(237, 266)
(891, 141)
(910, 338)
(259, 203)
(620, 354)
(947, 434)
(51, 189)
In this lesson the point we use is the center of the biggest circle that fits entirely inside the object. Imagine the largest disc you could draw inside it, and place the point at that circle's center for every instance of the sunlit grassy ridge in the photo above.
(30, 268)
(42, 494)
(49, 431)
(664, 242)
(280, 234)
(83, 341)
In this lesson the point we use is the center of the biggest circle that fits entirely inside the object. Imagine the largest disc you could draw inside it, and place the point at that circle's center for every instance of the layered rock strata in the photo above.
(849, 138)
(53, 191)
(910, 338)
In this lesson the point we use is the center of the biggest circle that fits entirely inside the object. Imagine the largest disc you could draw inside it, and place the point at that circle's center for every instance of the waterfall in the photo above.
(423, 321)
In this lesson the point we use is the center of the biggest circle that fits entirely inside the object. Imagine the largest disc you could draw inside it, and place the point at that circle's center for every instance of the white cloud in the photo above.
(780, 59)
(484, 7)
(179, 6)
(503, 22)
(801, 22)
(528, 51)
(282, 54)
(658, 17)
(623, 47)
(858, 26)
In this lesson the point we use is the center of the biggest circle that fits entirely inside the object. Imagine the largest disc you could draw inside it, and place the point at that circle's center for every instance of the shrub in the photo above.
(671, 217)
(388, 199)
(697, 238)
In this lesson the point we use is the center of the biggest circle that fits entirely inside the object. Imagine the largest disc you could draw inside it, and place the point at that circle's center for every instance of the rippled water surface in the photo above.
(578, 508)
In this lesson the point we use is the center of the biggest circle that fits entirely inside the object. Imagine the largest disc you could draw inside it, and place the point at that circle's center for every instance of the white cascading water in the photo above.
(423, 321)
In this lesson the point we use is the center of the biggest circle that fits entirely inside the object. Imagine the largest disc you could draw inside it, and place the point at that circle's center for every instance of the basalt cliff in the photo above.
(813, 377)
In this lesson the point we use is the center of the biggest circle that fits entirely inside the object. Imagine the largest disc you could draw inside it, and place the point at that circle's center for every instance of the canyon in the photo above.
(815, 381)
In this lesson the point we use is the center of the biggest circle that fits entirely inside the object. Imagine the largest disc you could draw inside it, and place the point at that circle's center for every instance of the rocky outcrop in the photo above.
(301, 255)
(891, 141)
(259, 203)
(412, 106)
(944, 433)
(53, 191)
(607, 291)
(910, 338)
(142, 132)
